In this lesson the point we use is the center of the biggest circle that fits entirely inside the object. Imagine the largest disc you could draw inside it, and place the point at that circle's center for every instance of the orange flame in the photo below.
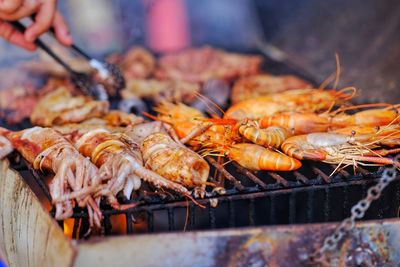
(68, 227)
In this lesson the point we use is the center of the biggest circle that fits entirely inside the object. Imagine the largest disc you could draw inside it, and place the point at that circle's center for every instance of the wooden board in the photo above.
(28, 235)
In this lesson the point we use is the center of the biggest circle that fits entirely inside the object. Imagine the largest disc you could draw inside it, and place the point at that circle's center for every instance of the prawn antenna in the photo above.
(209, 102)
(338, 71)
(342, 109)
(395, 120)
(337, 167)
(333, 77)
(148, 115)
(327, 81)
(186, 215)
(216, 152)
(195, 201)
(347, 93)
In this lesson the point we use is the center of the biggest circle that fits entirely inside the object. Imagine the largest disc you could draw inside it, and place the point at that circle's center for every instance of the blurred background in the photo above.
(305, 34)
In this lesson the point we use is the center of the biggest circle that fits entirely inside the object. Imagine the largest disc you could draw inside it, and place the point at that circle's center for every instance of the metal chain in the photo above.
(357, 212)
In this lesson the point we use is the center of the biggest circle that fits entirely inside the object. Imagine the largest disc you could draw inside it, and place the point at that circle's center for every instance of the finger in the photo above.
(43, 20)
(18, 14)
(10, 6)
(14, 36)
(61, 29)
(27, 8)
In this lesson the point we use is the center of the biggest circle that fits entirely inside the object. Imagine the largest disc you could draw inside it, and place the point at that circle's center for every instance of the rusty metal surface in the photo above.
(375, 241)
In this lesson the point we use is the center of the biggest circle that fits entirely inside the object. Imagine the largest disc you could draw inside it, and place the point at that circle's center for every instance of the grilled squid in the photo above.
(75, 179)
(169, 158)
(120, 163)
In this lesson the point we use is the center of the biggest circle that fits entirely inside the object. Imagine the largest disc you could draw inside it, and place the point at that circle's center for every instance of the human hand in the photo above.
(46, 16)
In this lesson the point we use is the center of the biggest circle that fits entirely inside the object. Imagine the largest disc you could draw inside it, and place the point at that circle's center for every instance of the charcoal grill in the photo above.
(253, 200)
(309, 195)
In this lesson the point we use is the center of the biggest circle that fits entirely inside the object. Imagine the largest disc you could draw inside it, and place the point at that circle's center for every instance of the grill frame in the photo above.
(251, 197)
(280, 245)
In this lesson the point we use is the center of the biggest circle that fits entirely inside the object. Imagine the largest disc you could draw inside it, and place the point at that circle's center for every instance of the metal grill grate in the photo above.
(264, 198)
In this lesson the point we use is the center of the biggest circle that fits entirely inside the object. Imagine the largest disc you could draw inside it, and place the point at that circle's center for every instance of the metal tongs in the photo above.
(109, 74)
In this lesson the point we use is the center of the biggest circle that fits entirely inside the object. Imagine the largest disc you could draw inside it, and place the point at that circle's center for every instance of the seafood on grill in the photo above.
(309, 122)
(301, 100)
(53, 84)
(369, 117)
(75, 179)
(387, 135)
(205, 63)
(79, 129)
(265, 84)
(60, 107)
(161, 90)
(224, 137)
(136, 63)
(169, 158)
(199, 131)
(216, 91)
(20, 93)
(120, 119)
(17, 103)
(120, 163)
(194, 128)
(298, 122)
(334, 148)
(272, 136)
(255, 157)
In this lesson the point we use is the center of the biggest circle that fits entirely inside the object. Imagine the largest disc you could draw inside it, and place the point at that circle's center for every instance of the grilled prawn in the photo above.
(304, 100)
(76, 178)
(264, 84)
(224, 136)
(369, 117)
(334, 148)
(298, 122)
(194, 127)
(198, 131)
(255, 157)
(387, 135)
(272, 136)
(309, 122)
